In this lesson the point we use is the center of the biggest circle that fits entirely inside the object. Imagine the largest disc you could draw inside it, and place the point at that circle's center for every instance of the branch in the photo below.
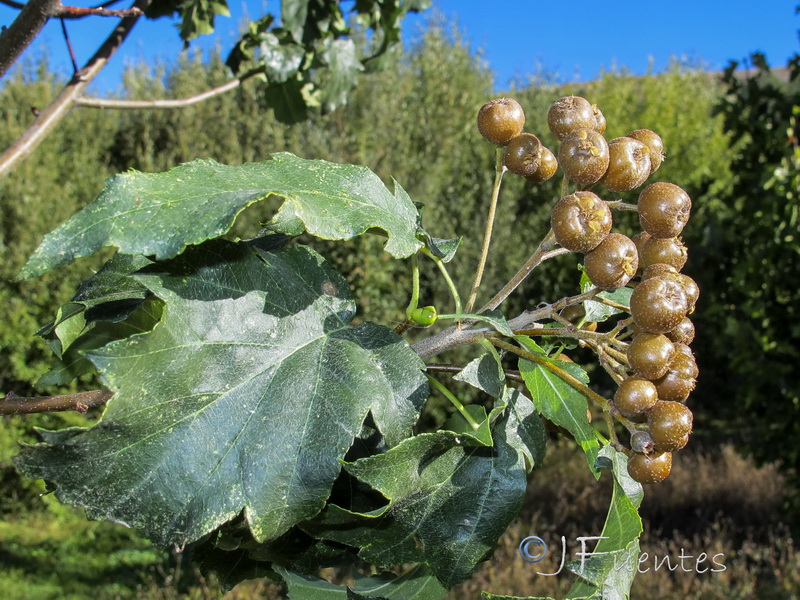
(12, 404)
(12, 4)
(19, 35)
(58, 109)
(76, 12)
(175, 103)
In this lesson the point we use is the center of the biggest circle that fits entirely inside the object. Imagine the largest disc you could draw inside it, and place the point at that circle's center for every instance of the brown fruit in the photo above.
(548, 165)
(583, 156)
(664, 209)
(658, 304)
(650, 468)
(654, 144)
(628, 166)
(650, 355)
(581, 221)
(523, 154)
(568, 114)
(501, 120)
(612, 264)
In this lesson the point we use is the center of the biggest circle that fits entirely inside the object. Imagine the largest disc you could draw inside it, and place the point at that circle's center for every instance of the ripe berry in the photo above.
(670, 251)
(650, 354)
(501, 120)
(584, 156)
(581, 221)
(650, 468)
(635, 396)
(523, 154)
(599, 119)
(670, 423)
(548, 165)
(688, 284)
(658, 305)
(628, 166)
(612, 264)
(654, 144)
(683, 333)
(680, 379)
(568, 114)
(664, 209)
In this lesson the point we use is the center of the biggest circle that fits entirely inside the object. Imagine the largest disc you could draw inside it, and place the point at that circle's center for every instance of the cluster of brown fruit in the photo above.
(661, 367)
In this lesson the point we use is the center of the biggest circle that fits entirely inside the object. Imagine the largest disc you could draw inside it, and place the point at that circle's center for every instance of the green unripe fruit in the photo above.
(425, 316)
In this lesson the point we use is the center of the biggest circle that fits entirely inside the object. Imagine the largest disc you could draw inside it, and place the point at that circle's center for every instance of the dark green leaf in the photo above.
(558, 401)
(449, 503)
(244, 398)
(160, 214)
(485, 374)
(96, 334)
(417, 584)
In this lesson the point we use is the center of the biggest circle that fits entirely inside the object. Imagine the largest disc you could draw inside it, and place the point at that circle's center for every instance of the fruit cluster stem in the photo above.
(487, 236)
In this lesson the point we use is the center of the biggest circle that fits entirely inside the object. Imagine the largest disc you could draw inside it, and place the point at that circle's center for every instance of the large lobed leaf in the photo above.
(245, 397)
(159, 214)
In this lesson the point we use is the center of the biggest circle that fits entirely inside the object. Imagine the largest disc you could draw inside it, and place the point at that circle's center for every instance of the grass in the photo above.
(714, 502)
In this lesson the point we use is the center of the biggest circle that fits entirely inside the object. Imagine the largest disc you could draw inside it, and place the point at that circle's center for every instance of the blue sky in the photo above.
(517, 38)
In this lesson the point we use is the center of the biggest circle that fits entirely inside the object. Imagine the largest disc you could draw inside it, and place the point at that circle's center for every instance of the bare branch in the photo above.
(76, 12)
(12, 404)
(58, 109)
(166, 103)
(19, 35)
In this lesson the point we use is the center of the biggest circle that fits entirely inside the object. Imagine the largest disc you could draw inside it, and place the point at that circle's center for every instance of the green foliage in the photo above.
(233, 417)
(747, 262)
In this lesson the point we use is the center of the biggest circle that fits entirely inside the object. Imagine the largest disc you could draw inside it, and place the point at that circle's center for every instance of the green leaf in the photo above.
(485, 374)
(344, 67)
(281, 61)
(558, 401)
(72, 363)
(597, 311)
(443, 248)
(449, 503)
(608, 574)
(245, 397)
(488, 596)
(160, 214)
(416, 584)
(526, 431)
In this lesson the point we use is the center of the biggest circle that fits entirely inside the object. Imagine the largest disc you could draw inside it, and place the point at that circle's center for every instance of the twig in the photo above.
(620, 205)
(452, 368)
(559, 372)
(542, 253)
(77, 12)
(12, 404)
(12, 4)
(19, 35)
(69, 45)
(166, 103)
(500, 169)
(58, 109)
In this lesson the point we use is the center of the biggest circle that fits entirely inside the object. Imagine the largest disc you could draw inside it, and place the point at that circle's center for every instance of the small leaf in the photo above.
(558, 401)
(526, 432)
(485, 374)
(416, 584)
(598, 311)
(161, 214)
(443, 248)
(344, 67)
